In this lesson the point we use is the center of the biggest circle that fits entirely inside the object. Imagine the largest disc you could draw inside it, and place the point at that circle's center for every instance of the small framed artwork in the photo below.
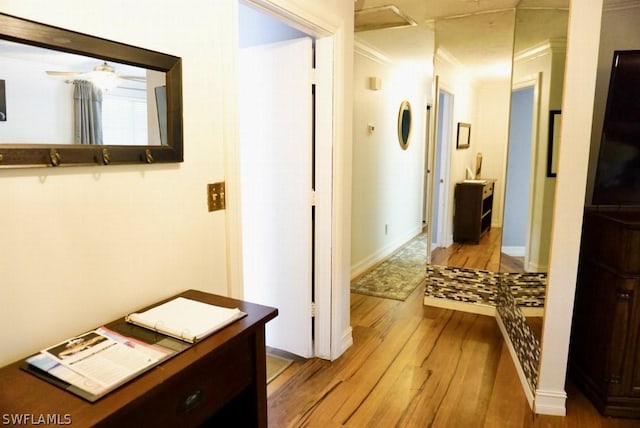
(3, 103)
(464, 136)
(555, 124)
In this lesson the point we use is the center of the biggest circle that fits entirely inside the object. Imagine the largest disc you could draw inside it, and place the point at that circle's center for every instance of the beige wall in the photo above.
(83, 245)
(490, 133)
(387, 181)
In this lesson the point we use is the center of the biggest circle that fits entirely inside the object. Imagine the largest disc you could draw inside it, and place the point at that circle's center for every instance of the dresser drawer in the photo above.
(614, 240)
(487, 190)
(190, 397)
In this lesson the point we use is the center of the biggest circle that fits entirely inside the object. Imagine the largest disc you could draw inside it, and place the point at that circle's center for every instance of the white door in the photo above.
(440, 217)
(276, 132)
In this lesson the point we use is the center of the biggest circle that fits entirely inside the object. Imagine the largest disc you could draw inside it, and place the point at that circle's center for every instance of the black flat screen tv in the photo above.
(618, 171)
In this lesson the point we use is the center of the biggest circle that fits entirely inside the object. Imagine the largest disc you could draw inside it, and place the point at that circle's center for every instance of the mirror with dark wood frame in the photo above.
(71, 59)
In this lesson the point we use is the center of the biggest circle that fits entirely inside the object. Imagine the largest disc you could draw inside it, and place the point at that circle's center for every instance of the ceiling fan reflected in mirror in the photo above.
(103, 76)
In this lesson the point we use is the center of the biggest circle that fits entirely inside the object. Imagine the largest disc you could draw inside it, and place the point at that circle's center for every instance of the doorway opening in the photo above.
(284, 160)
(519, 160)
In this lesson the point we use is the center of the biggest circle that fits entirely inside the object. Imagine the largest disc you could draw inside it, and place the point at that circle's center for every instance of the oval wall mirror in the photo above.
(404, 124)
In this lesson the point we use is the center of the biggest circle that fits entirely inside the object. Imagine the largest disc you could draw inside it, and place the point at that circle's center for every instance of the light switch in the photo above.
(216, 196)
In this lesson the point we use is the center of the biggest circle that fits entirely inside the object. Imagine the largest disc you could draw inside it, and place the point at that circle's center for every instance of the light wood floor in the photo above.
(417, 366)
(485, 255)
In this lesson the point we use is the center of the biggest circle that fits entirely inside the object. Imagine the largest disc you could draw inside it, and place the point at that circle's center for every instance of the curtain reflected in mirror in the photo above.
(79, 99)
(87, 118)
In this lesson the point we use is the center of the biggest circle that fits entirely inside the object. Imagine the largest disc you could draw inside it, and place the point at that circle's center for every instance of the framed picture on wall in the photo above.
(464, 136)
(3, 102)
(555, 123)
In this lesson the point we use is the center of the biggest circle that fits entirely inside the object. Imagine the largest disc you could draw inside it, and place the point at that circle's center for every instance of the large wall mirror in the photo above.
(515, 252)
(74, 99)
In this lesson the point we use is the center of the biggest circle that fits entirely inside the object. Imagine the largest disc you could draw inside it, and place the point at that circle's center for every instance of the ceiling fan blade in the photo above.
(63, 73)
(134, 78)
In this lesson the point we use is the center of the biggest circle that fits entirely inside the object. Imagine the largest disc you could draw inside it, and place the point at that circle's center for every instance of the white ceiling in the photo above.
(478, 33)
(61, 61)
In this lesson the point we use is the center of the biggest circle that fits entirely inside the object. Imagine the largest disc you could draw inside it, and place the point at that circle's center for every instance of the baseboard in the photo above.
(535, 267)
(345, 342)
(531, 312)
(514, 251)
(551, 403)
(383, 253)
(474, 308)
(516, 361)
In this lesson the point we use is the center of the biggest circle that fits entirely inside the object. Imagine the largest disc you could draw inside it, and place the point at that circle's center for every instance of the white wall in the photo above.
(620, 31)
(84, 245)
(490, 136)
(387, 181)
(33, 98)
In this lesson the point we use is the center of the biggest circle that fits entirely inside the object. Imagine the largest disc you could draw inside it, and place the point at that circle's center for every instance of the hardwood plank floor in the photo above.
(416, 366)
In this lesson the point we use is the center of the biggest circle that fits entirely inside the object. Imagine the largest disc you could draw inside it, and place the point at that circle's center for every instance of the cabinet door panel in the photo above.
(623, 294)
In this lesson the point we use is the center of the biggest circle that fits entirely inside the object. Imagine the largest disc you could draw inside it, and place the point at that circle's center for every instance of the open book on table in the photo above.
(186, 319)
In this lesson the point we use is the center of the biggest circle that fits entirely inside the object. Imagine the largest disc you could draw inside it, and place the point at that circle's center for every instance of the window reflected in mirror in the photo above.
(79, 99)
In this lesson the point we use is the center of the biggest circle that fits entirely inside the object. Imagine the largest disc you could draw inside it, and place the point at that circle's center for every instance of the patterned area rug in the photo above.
(399, 275)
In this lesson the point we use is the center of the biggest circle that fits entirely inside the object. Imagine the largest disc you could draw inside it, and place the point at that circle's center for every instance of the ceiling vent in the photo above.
(377, 18)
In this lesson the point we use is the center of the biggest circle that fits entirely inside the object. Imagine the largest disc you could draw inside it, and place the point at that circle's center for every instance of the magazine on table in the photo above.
(97, 362)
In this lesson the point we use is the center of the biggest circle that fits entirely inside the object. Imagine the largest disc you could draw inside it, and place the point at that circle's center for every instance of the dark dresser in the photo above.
(473, 210)
(604, 357)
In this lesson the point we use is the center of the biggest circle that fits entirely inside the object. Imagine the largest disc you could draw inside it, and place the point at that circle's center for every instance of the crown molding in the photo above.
(614, 5)
(551, 46)
(444, 55)
(364, 49)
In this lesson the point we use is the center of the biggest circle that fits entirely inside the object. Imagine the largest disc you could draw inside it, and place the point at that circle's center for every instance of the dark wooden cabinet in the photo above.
(220, 381)
(473, 210)
(604, 358)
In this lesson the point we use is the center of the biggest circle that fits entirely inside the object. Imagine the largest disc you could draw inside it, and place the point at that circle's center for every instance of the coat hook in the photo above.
(55, 157)
(148, 156)
(106, 159)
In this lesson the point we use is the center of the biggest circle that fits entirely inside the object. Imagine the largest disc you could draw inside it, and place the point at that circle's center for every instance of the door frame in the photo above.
(442, 234)
(531, 81)
(329, 341)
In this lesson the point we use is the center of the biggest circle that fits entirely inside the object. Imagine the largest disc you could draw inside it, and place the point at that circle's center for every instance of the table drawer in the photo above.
(190, 397)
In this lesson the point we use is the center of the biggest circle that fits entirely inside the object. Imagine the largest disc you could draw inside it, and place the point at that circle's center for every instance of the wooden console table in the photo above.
(220, 381)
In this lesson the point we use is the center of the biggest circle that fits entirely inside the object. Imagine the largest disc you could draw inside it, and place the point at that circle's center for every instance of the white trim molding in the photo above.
(551, 46)
(550, 402)
(514, 251)
(364, 49)
(613, 5)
